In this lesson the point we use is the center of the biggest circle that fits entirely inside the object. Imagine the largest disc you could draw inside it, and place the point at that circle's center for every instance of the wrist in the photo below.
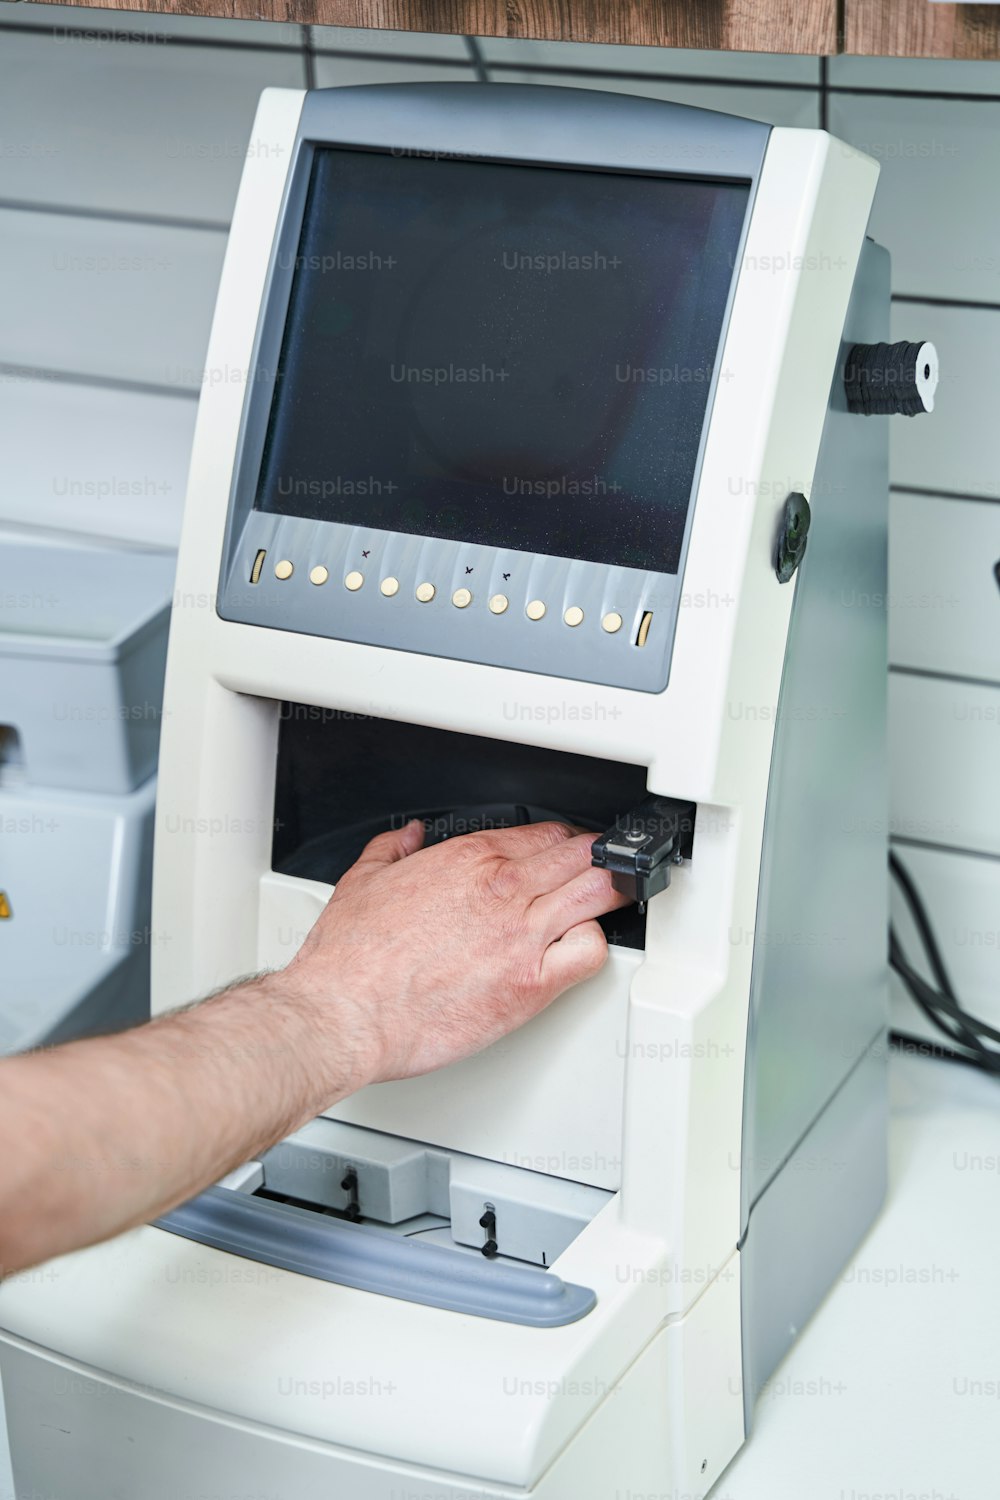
(326, 1033)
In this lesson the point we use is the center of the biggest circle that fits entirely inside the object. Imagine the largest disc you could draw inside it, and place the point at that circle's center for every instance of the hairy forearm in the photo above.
(447, 949)
(100, 1135)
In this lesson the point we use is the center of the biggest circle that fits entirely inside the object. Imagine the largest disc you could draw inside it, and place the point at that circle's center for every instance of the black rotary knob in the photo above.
(891, 379)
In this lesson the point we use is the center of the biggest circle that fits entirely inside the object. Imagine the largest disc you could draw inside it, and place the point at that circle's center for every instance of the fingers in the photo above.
(556, 865)
(387, 848)
(526, 840)
(580, 953)
(588, 895)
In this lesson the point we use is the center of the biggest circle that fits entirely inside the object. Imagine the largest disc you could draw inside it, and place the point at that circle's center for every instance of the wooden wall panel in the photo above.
(805, 26)
(871, 28)
(920, 28)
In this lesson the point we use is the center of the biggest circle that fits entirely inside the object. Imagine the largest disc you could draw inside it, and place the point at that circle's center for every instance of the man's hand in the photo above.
(428, 955)
(422, 956)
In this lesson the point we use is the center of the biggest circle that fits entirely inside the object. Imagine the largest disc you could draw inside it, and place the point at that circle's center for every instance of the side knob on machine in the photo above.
(891, 379)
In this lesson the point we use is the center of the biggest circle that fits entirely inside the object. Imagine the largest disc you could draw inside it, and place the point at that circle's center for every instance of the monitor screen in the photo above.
(517, 356)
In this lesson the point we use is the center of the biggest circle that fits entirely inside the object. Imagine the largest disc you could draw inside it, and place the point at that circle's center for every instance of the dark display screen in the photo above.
(515, 356)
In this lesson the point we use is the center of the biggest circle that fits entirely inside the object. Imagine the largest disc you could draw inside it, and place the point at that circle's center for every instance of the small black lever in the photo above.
(350, 1187)
(489, 1223)
(643, 844)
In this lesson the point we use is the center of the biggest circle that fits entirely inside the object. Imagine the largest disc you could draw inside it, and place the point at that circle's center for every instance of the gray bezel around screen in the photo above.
(552, 127)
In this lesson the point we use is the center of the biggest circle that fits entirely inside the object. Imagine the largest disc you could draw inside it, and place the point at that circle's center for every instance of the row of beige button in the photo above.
(461, 598)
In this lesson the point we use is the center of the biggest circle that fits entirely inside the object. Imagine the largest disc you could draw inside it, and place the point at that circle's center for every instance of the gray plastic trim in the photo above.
(524, 123)
(818, 982)
(815, 1098)
(811, 1218)
(376, 1260)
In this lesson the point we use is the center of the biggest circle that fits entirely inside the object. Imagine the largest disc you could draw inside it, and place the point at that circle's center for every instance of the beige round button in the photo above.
(498, 604)
(283, 569)
(319, 574)
(612, 622)
(425, 592)
(389, 586)
(461, 598)
(535, 609)
(354, 581)
(574, 615)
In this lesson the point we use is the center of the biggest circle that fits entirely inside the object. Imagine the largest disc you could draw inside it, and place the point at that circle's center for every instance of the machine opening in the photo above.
(342, 778)
(424, 1194)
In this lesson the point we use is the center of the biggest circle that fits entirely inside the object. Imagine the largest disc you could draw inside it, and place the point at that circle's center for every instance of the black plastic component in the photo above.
(881, 380)
(489, 1223)
(350, 1187)
(643, 844)
(793, 534)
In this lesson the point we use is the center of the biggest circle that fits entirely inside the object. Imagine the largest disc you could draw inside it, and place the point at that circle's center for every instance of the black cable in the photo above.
(941, 1006)
(961, 1029)
(919, 989)
(919, 914)
(968, 1028)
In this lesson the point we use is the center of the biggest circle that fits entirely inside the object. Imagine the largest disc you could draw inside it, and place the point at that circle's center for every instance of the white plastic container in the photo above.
(83, 643)
(74, 947)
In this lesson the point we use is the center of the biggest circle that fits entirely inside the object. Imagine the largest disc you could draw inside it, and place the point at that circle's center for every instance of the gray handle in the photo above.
(376, 1260)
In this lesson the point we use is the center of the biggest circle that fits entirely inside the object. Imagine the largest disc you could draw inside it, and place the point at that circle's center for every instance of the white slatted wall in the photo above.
(121, 142)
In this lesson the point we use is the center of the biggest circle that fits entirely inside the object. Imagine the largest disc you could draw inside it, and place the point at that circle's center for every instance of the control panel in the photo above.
(564, 617)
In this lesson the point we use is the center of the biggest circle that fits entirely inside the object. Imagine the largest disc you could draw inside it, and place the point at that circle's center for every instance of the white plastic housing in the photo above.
(643, 1071)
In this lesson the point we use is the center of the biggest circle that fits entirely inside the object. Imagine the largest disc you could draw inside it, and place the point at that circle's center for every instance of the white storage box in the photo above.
(75, 936)
(83, 642)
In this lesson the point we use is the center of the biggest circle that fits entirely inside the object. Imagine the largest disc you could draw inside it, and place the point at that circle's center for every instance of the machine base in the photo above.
(655, 1431)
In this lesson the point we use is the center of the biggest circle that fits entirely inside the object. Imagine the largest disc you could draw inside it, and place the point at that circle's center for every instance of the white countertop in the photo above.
(893, 1390)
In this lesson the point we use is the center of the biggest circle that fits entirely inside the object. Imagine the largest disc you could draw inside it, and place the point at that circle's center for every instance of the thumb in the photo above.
(581, 952)
(387, 848)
